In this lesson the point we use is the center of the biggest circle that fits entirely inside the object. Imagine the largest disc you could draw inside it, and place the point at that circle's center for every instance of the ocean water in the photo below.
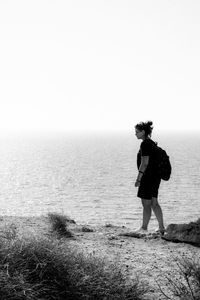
(91, 178)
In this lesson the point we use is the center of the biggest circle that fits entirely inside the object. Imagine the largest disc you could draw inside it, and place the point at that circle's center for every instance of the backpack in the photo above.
(163, 164)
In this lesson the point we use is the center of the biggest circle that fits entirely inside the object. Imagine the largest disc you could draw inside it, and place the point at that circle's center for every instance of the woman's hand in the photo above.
(137, 183)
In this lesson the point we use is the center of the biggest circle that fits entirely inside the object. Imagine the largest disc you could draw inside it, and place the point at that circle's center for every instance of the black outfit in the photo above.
(150, 181)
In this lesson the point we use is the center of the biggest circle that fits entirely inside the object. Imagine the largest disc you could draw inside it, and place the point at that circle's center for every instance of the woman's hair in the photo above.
(146, 126)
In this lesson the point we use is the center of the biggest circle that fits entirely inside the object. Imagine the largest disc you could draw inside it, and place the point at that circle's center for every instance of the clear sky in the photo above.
(99, 64)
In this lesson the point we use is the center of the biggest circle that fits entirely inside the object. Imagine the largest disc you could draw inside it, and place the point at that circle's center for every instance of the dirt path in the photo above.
(146, 257)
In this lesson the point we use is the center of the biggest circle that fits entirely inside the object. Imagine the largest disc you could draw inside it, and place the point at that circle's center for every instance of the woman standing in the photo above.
(147, 180)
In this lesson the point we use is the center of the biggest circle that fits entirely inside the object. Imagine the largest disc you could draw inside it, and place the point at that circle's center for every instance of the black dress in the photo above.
(150, 181)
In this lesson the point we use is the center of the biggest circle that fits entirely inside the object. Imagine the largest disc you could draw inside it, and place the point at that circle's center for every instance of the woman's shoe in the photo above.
(141, 231)
(160, 231)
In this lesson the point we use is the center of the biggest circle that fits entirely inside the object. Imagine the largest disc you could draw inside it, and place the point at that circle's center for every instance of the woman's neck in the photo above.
(146, 138)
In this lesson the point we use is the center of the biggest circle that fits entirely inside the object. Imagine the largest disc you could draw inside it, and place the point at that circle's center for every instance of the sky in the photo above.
(100, 65)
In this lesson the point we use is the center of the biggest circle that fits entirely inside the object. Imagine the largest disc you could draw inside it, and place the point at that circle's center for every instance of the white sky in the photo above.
(99, 64)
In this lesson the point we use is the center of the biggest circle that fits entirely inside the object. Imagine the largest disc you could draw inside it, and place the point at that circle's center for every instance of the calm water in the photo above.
(91, 178)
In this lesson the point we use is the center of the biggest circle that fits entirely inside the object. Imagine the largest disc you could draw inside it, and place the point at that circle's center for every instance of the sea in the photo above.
(90, 177)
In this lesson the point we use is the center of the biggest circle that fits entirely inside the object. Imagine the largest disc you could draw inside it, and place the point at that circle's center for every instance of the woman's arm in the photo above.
(142, 168)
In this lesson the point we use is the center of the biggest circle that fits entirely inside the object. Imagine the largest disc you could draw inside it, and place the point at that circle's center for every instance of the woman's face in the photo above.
(140, 134)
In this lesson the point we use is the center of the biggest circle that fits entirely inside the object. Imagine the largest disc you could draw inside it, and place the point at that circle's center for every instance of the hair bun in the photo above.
(150, 123)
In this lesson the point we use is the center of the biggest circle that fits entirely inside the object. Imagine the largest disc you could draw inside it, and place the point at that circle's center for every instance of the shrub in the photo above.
(59, 224)
(185, 283)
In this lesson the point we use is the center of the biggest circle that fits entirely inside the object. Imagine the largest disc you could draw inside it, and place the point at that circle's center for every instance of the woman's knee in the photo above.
(146, 202)
(154, 203)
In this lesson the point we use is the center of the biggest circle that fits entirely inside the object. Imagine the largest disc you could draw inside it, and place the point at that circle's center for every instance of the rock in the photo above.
(112, 237)
(108, 225)
(185, 233)
(87, 229)
(133, 234)
(138, 235)
(69, 220)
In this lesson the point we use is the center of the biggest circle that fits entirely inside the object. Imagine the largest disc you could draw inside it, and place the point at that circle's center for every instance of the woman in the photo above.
(147, 180)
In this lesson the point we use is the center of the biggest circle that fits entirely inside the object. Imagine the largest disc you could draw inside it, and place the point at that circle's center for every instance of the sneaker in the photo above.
(141, 231)
(160, 231)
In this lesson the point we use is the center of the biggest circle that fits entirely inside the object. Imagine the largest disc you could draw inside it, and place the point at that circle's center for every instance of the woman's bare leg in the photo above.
(146, 213)
(158, 213)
